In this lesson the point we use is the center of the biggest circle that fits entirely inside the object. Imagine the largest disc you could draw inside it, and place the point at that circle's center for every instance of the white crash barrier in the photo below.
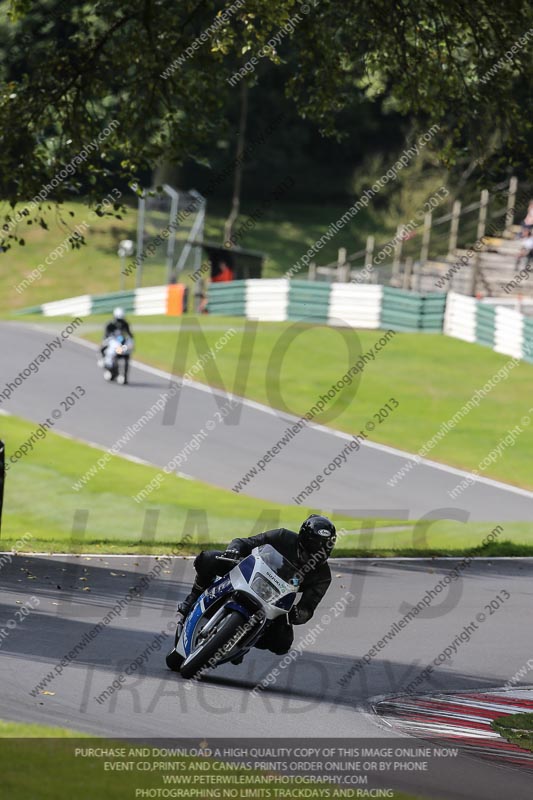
(460, 317)
(509, 332)
(356, 306)
(72, 306)
(152, 300)
(267, 300)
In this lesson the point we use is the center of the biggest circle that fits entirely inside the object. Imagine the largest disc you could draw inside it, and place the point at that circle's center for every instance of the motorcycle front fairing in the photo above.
(221, 594)
(270, 577)
(117, 347)
(259, 584)
(205, 602)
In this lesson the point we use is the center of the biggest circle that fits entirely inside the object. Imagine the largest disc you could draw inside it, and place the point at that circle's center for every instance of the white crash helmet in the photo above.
(118, 313)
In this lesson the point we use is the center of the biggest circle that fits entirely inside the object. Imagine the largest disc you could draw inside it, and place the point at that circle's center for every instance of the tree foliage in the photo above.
(69, 68)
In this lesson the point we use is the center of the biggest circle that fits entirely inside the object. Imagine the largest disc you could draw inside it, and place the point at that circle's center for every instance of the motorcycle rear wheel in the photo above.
(221, 635)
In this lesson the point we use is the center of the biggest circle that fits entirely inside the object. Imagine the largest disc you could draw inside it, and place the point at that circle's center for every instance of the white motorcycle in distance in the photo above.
(116, 358)
(233, 613)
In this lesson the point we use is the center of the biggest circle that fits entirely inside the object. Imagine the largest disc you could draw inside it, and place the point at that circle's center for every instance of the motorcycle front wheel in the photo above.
(215, 645)
(174, 660)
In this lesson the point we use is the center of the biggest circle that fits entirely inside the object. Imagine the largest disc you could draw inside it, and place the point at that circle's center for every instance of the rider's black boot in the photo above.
(185, 606)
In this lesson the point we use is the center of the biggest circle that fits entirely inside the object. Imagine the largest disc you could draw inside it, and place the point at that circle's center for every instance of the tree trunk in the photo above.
(165, 172)
(237, 177)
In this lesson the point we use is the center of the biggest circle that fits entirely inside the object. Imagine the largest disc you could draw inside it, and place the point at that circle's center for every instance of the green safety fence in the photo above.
(227, 298)
(527, 346)
(411, 311)
(105, 303)
(308, 301)
(485, 324)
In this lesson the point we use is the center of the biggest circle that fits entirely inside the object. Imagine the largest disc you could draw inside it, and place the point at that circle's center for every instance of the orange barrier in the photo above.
(175, 299)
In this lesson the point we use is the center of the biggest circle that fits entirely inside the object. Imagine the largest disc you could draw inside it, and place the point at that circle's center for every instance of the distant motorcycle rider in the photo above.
(308, 550)
(118, 326)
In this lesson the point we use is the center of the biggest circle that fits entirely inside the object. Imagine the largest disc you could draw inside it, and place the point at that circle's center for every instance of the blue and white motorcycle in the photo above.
(234, 612)
(117, 352)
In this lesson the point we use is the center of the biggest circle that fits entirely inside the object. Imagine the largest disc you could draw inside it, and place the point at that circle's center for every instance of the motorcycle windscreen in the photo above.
(277, 563)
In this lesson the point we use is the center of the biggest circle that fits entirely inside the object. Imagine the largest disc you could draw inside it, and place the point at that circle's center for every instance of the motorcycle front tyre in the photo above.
(225, 631)
(174, 660)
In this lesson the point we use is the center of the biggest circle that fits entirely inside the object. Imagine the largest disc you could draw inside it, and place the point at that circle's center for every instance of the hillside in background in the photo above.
(284, 232)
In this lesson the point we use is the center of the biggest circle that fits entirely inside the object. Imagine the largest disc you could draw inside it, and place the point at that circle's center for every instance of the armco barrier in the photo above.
(170, 300)
(270, 300)
(152, 300)
(485, 324)
(308, 301)
(527, 340)
(410, 311)
(105, 303)
(432, 313)
(227, 298)
(509, 332)
(267, 299)
(461, 317)
(358, 306)
(503, 329)
(72, 306)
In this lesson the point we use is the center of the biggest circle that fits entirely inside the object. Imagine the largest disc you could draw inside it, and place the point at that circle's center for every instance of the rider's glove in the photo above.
(298, 616)
(232, 553)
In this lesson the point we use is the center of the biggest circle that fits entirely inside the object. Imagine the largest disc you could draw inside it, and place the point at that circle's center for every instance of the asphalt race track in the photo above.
(312, 697)
(229, 450)
(306, 700)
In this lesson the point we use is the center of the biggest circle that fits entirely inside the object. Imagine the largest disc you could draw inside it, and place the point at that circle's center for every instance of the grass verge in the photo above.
(102, 517)
(115, 523)
(516, 728)
(404, 369)
(62, 769)
(31, 730)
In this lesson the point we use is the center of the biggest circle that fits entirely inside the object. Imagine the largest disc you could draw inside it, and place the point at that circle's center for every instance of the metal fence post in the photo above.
(511, 200)
(424, 250)
(140, 243)
(454, 228)
(416, 281)
(398, 242)
(172, 225)
(200, 233)
(195, 232)
(342, 267)
(407, 273)
(369, 251)
(481, 225)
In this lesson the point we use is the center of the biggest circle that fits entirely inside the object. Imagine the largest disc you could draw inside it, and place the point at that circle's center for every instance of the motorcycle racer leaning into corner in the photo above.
(307, 550)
